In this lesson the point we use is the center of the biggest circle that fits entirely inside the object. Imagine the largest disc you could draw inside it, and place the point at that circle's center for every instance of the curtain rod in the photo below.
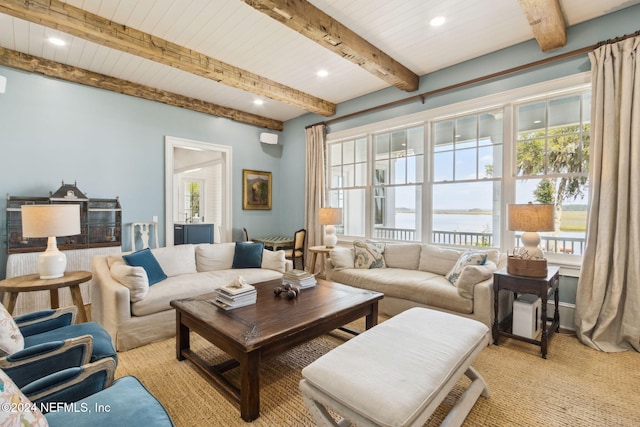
(424, 95)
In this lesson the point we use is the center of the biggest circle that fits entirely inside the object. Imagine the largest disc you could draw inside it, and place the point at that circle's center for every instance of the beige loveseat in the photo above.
(135, 313)
(415, 275)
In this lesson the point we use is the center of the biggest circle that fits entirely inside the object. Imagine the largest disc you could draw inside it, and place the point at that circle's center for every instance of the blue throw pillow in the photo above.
(145, 259)
(248, 255)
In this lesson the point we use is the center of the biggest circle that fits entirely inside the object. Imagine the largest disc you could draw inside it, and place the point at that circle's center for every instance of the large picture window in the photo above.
(552, 165)
(447, 179)
(467, 172)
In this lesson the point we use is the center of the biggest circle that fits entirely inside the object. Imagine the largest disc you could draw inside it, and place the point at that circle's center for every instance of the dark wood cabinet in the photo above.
(100, 221)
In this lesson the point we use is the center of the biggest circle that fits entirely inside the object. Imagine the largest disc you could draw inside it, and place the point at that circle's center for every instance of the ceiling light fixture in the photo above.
(56, 41)
(437, 21)
(258, 102)
(322, 73)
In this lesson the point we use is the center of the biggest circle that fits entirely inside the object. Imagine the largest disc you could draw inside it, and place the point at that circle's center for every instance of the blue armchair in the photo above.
(84, 396)
(52, 342)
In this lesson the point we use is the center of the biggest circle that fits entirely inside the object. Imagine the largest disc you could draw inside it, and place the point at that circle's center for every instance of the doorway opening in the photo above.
(197, 186)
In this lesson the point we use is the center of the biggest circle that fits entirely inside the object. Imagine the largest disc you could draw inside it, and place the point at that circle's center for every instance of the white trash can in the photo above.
(527, 309)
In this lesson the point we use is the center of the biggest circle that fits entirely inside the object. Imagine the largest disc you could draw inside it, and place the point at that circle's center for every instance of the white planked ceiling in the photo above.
(233, 32)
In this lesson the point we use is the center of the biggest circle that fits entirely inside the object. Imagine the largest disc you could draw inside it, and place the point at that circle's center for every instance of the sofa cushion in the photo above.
(368, 255)
(274, 260)
(134, 278)
(341, 258)
(438, 260)
(468, 257)
(472, 275)
(413, 285)
(212, 257)
(191, 285)
(248, 255)
(145, 259)
(11, 339)
(176, 260)
(402, 255)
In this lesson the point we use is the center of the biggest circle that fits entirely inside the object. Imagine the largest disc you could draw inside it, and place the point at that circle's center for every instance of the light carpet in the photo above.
(575, 386)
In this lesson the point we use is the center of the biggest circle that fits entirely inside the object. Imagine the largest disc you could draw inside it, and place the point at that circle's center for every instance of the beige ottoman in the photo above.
(398, 373)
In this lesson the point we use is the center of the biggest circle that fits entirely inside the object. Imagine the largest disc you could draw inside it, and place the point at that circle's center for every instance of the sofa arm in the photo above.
(110, 300)
(41, 321)
(483, 302)
(72, 384)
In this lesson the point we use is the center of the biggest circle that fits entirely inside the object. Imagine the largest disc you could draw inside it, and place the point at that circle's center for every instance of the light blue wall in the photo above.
(113, 145)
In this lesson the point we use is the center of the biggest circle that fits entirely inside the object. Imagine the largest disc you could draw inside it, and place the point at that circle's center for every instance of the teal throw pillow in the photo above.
(145, 259)
(248, 255)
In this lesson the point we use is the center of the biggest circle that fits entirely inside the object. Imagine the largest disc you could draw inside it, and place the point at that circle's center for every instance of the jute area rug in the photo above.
(575, 386)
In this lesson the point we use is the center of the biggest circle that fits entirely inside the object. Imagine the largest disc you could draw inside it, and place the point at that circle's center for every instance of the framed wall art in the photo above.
(256, 189)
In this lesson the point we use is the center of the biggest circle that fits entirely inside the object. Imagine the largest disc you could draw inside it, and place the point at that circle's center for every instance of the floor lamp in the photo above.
(51, 221)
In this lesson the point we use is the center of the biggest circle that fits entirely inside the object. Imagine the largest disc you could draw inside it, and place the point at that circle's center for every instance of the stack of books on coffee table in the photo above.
(299, 278)
(229, 296)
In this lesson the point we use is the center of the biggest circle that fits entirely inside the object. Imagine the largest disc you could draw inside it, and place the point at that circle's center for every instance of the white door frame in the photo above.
(172, 142)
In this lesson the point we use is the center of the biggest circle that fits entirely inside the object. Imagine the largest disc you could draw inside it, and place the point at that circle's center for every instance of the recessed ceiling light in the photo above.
(57, 41)
(537, 121)
(322, 73)
(437, 21)
(258, 101)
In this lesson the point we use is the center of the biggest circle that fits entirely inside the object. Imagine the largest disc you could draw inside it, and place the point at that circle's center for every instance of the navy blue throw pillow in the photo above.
(145, 259)
(248, 255)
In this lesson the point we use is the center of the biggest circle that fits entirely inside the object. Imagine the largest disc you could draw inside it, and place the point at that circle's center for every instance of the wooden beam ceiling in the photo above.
(547, 22)
(313, 23)
(25, 62)
(79, 23)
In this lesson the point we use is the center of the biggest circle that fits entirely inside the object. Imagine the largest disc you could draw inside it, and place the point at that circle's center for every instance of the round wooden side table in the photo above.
(32, 282)
(315, 250)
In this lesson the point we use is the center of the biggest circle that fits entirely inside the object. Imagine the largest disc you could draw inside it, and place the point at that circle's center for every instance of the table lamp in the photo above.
(51, 221)
(531, 218)
(330, 217)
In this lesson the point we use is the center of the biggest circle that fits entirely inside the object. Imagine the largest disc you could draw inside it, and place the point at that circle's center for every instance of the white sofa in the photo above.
(135, 313)
(414, 275)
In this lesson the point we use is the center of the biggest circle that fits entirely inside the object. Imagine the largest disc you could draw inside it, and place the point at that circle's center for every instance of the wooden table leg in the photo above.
(250, 386)
(76, 296)
(545, 338)
(55, 298)
(182, 336)
(312, 267)
(372, 319)
(10, 299)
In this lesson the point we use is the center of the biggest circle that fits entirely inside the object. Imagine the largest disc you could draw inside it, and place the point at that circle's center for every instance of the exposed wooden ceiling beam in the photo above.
(25, 62)
(79, 23)
(313, 23)
(547, 22)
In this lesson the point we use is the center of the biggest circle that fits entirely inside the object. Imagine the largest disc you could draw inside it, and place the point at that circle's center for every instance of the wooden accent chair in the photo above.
(246, 234)
(141, 231)
(297, 252)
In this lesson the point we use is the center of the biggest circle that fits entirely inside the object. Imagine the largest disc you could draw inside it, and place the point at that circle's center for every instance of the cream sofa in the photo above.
(135, 313)
(415, 275)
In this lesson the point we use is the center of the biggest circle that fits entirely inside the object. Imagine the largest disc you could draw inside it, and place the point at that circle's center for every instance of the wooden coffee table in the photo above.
(271, 326)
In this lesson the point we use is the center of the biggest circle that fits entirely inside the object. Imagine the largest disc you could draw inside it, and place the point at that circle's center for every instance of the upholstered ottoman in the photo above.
(398, 372)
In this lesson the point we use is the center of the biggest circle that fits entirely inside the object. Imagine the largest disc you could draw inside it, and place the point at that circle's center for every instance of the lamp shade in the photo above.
(530, 217)
(50, 220)
(330, 216)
